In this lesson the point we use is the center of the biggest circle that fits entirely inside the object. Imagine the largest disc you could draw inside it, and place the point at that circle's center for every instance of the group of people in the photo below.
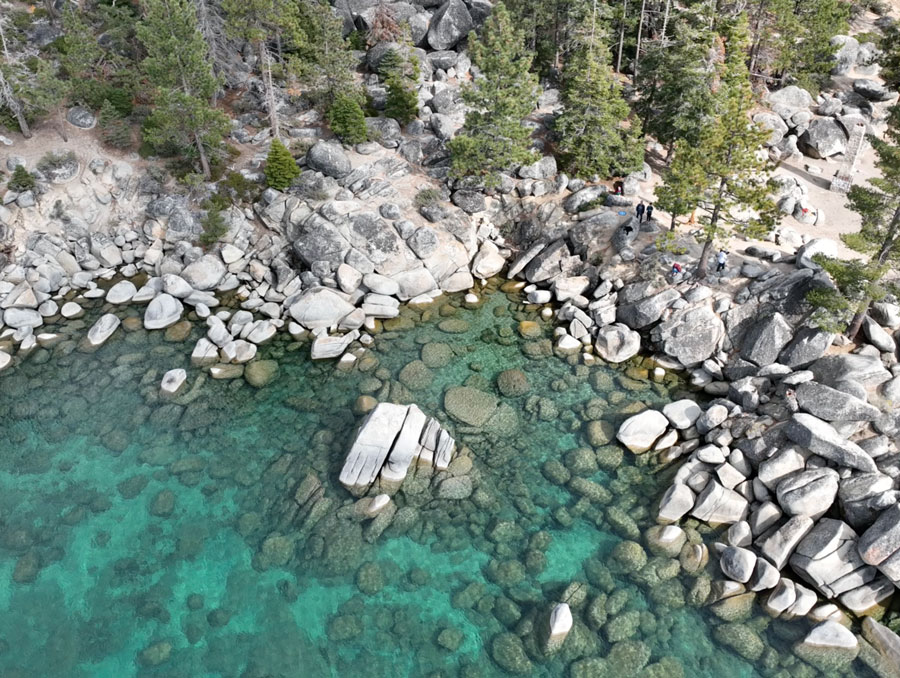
(643, 210)
(721, 261)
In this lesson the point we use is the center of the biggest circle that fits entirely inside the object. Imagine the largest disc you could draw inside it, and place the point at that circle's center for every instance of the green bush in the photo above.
(214, 227)
(357, 40)
(55, 160)
(281, 168)
(402, 101)
(346, 119)
(21, 180)
(427, 197)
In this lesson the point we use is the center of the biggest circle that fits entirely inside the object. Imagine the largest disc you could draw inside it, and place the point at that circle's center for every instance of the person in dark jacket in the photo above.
(649, 211)
(639, 211)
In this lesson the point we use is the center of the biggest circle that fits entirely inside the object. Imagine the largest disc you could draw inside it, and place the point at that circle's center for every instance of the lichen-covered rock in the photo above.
(513, 383)
(508, 652)
(741, 638)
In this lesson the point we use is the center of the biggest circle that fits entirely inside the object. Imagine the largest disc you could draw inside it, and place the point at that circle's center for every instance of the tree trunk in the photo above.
(637, 53)
(856, 323)
(622, 36)
(23, 123)
(703, 266)
(890, 238)
(265, 60)
(62, 125)
(673, 224)
(204, 161)
(666, 20)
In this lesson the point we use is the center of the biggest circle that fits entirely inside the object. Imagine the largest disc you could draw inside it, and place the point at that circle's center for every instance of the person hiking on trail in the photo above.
(676, 268)
(639, 211)
(649, 211)
(721, 258)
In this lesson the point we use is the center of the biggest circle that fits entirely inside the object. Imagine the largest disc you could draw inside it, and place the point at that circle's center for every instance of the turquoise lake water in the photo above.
(132, 528)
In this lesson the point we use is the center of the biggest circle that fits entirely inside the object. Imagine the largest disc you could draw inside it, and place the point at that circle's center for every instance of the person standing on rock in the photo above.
(721, 260)
(639, 211)
(649, 212)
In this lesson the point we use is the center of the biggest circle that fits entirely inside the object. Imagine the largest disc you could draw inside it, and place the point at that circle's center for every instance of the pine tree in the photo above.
(674, 84)
(890, 59)
(594, 135)
(116, 132)
(178, 66)
(281, 168)
(347, 120)
(402, 101)
(858, 284)
(493, 137)
(21, 180)
(49, 93)
(258, 22)
(325, 63)
(723, 174)
(14, 77)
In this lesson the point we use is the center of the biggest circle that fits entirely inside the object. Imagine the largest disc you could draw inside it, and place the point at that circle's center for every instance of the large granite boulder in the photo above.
(328, 158)
(101, 330)
(807, 345)
(808, 493)
(828, 559)
(764, 340)
(469, 406)
(640, 431)
(320, 307)
(646, 311)
(205, 273)
(880, 544)
(617, 343)
(824, 138)
(792, 97)
(831, 404)
(864, 496)
(829, 647)
(691, 335)
(449, 24)
(380, 243)
(774, 123)
(162, 311)
(821, 438)
(388, 441)
(854, 367)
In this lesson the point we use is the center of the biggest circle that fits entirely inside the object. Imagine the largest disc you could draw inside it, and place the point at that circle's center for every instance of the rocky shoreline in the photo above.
(795, 452)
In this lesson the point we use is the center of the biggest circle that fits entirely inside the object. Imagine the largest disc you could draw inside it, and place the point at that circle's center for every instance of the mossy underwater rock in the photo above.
(369, 579)
(416, 375)
(742, 639)
(508, 652)
(599, 433)
(436, 354)
(469, 405)
(513, 383)
(629, 556)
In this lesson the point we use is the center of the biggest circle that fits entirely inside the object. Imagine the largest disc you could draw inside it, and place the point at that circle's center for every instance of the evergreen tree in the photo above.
(402, 100)
(326, 62)
(281, 168)
(21, 180)
(791, 40)
(858, 284)
(14, 77)
(674, 84)
(177, 65)
(594, 136)
(493, 137)
(347, 120)
(890, 59)
(259, 21)
(723, 173)
(49, 93)
(116, 132)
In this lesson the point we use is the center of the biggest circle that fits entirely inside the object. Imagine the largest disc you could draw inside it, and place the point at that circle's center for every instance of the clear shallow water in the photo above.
(129, 523)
